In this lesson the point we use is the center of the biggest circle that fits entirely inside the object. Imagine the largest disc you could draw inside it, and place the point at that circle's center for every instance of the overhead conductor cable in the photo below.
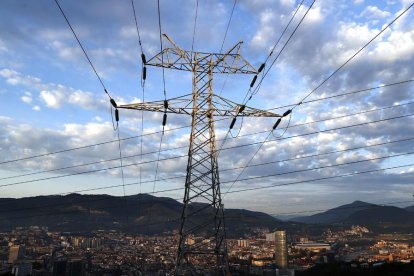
(143, 78)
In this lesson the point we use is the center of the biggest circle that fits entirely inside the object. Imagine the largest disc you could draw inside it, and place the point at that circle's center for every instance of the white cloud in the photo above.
(314, 16)
(50, 34)
(53, 99)
(264, 35)
(98, 119)
(352, 36)
(36, 108)
(92, 131)
(406, 3)
(84, 99)
(65, 52)
(7, 73)
(398, 46)
(288, 3)
(54, 95)
(27, 98)
(326, 137)
(374, 12)
(15, 78)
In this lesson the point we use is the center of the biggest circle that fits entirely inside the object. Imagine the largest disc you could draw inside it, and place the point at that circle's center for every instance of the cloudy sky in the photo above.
(52, 100)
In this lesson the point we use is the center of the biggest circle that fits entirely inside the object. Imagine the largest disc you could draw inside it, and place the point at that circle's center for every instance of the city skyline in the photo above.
(53, 100)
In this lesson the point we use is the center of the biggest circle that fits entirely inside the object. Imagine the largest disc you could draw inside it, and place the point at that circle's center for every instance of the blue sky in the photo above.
(51, 99)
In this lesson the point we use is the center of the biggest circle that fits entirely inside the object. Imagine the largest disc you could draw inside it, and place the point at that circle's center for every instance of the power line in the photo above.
(254, 155)
(83, 49)
(158, 162)
(318, 168)
(243, 135)
(232, 147)
(141, 140)
(316, 132)
(161, 46)
(354, 55)
(143, 66)
(222, 45)
(254, 165)
(261, 68)
(246, 165)
(159, 19)
(143, 77)
(79, 173)
(121, 163)
(194, 29)
(316, 179)
(284, 31)
(183, 147)
(338, 117)
(256, 90)
(267, 137)
(328, 119)
(164, 121)
(93, 163)
(101, 143)
(321, 154)
(316, 121)
(136, 25)
(332, 74)
(278, 174)
(88, 146)
(356, 91)
(345, 94)
(326, 130)
(348, 149)
(228, 25)
(178, 128)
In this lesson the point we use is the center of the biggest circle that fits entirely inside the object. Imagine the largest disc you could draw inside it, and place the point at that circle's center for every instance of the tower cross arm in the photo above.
(179, 105)
(252, 112)
(230, 108)
(183, 105)
(174, 57)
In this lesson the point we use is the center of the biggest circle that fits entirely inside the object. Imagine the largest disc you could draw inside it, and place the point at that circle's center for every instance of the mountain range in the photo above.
(410, 208)
(141, 213)
(147, 214)
(377, 217)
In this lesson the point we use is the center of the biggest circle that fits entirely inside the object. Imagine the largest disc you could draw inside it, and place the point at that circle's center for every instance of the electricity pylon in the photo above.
(202, 247)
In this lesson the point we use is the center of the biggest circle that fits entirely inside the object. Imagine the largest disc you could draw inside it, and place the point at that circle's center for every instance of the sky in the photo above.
(53, 101)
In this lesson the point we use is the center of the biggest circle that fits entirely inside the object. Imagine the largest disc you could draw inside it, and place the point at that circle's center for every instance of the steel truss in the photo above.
(202, 245)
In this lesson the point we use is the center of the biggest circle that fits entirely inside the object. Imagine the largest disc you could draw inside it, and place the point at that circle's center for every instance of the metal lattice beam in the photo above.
(183, 105)
(176, 58)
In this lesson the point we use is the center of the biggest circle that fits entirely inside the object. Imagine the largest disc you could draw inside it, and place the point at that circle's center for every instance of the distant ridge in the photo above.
(410, 208)
(374, 216)
(335, 215)
(140, 213)
(147, 214)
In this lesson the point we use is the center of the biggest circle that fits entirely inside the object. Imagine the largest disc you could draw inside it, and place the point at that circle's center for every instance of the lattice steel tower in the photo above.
(202, 246)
